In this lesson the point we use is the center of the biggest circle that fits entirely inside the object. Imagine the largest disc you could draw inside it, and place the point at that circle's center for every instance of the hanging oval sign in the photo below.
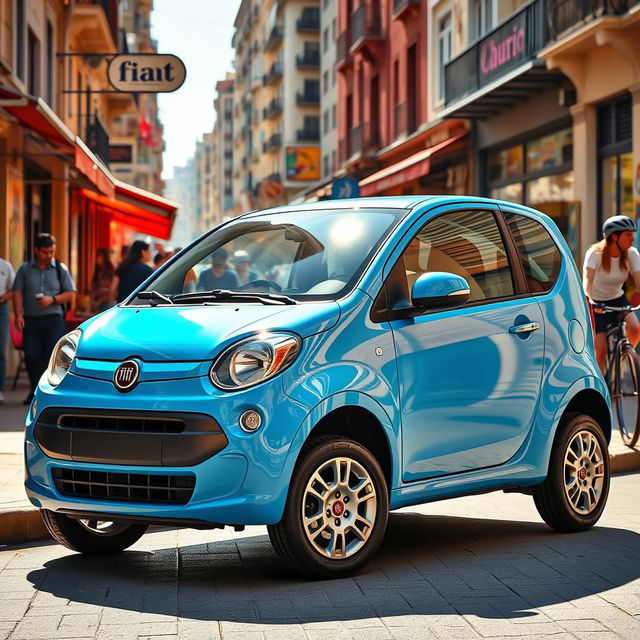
(146, 73)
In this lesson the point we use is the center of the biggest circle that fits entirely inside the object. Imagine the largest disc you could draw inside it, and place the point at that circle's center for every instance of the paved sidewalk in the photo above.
(20, 522)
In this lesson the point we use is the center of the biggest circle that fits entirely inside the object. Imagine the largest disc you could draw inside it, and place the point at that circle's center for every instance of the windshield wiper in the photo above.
(225, 294)
(154, 297)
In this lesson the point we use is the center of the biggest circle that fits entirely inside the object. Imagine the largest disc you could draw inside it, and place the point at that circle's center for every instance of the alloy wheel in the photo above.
(584, 472)
(339, 508)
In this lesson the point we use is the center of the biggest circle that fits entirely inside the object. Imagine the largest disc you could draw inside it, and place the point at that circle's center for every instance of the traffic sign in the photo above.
(345, 188)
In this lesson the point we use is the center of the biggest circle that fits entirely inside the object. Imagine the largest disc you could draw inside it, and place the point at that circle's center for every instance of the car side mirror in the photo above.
(439, 289)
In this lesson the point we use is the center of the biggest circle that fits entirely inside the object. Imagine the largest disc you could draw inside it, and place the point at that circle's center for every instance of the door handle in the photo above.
(524, 328)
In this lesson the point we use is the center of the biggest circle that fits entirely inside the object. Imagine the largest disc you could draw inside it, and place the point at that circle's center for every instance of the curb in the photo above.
(24, 524)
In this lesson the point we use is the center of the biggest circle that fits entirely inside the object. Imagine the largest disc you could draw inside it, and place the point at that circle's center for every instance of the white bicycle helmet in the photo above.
(618, 224)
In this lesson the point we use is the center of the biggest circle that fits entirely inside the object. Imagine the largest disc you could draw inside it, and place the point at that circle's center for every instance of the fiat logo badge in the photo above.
(126, 375)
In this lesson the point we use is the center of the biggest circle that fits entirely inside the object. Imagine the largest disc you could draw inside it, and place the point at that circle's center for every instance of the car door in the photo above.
(469, 376)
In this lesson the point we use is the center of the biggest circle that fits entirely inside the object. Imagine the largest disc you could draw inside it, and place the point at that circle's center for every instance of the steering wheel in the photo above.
(269, 284)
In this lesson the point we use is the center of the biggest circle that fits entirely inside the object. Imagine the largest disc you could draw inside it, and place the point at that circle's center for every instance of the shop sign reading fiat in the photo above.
(146, 73)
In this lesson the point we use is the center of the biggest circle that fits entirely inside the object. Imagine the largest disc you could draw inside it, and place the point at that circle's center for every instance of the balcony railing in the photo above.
(343, 45)
(98, 138)
(308, 23)
(275, 37)
(365, 24)
(364, 139)
(273, 143)
(507, 47)
(308, 135)
(565, 15)
(308, 98)
(401, 6)
(273, 75)
(400, 120)
(273, 109)
(308, 60)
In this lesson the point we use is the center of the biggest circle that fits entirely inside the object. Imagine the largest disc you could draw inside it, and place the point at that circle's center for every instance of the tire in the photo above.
(628, 402)
(336, 541)
(575, 491)
(92, 537)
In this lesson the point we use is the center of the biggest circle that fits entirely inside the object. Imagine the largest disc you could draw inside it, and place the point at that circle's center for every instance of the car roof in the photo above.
(386, 202)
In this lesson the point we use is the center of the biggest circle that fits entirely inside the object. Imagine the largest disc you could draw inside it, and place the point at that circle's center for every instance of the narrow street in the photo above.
(446, 570)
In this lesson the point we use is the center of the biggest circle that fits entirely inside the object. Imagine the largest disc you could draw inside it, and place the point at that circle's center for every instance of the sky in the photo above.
(199, 32)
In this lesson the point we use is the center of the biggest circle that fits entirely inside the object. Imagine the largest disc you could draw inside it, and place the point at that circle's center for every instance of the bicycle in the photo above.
(622, 375)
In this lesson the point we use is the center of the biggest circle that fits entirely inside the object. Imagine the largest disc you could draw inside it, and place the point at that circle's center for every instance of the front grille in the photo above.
(119, 423)
(124, 487)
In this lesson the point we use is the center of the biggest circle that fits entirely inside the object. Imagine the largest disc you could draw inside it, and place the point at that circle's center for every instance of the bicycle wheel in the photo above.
(628, 402)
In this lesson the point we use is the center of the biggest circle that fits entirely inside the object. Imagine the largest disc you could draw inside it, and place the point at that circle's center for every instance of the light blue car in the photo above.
(383, 353)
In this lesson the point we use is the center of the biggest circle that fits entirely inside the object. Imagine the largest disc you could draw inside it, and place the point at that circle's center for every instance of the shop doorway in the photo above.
(37, 204)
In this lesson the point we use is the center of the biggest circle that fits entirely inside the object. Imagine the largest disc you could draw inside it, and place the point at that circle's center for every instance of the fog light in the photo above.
(250, 421)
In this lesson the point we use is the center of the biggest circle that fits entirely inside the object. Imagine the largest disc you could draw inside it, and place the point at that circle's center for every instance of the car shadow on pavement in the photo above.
(428, 565)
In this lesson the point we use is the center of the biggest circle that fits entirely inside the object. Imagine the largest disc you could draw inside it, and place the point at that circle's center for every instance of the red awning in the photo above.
(88, 164)
(136, 208)
(404, 171)
(36, 115)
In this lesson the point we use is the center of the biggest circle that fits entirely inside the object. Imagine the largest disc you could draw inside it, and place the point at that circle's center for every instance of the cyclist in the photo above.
(607, 265)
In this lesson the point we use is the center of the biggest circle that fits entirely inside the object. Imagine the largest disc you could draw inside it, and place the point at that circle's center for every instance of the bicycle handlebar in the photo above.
(626, 309)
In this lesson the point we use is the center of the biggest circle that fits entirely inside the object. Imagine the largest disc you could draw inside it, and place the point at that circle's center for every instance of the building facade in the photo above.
(223, 105)
(57, 118)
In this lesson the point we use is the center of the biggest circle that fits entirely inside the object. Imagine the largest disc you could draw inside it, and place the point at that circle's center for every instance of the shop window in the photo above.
(538, 252)
(549, 151)
(508, 193)
(506, 163)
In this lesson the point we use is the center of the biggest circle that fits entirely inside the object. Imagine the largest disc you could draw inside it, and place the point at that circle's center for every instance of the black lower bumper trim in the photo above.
(158, 522)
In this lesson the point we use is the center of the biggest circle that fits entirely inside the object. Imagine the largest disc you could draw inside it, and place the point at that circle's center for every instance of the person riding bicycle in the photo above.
(607, 265)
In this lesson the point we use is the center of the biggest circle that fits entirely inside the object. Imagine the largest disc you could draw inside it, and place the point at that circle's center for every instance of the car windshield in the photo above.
(280, 258)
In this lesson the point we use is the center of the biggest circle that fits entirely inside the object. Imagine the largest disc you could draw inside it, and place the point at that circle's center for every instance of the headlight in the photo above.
(254, 360)
(62, 356)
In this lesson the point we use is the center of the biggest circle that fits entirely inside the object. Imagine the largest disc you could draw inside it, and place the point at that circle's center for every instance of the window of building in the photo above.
(325, 121)
(614, 124)
(481, 18)
(325, 82)
(311, 88)
(33, 64)
(49, 93)
(333, 30)
(20, 31)
(325, 166)
(325, 40)
(467, 243)
(333, 76)
(333, 161)
(334, 116)
(444, 50)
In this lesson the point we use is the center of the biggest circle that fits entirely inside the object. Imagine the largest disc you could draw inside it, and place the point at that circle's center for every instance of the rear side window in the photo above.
(539, 254)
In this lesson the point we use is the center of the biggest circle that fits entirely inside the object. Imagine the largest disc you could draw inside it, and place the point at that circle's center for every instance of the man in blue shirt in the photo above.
(219, 276)
(41, 290)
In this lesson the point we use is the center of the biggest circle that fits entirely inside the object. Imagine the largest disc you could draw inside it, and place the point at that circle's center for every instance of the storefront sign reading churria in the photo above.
(496, 53)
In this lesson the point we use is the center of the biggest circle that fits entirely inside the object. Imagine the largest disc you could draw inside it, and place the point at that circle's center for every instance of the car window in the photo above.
(467, 243)
(538, 252)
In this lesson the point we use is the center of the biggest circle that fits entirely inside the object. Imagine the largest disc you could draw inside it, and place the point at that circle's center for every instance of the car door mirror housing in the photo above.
(439, 289)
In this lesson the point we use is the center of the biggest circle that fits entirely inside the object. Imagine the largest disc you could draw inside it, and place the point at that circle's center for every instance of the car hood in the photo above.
(193, 333)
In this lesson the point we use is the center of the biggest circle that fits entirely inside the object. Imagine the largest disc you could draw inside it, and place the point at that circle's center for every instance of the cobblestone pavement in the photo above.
(480, 567)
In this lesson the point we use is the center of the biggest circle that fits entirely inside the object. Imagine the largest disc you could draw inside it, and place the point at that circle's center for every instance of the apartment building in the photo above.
(56, 122)
(277, 101)
(223, 105)
(388, 142)
(183, 188)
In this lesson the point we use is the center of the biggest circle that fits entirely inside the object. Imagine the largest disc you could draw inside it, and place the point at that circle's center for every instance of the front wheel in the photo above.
(89, 536)
(627, 401)
(336, 512)
(575, 491)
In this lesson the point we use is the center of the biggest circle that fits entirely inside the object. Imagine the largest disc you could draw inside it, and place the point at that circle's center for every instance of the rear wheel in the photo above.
(627, 400)
(94, 537)
(575, 491)
(336, 511)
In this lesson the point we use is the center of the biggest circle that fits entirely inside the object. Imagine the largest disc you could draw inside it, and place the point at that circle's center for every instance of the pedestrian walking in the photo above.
(6, 282)
(132, 271)
(219, 276)
(242, 264)
(103, 272)
(41, 290)
(607, 265)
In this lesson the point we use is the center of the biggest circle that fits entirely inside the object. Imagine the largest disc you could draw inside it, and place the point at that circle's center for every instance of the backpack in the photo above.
(66, 306)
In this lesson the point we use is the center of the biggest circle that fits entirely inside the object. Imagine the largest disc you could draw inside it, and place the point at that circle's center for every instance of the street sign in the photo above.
(146, 73)
(345, 188)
